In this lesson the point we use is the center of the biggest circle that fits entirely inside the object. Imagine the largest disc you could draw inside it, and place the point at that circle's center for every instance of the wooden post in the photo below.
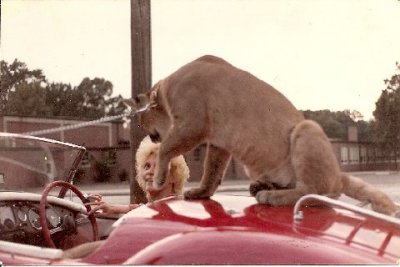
(141, 78)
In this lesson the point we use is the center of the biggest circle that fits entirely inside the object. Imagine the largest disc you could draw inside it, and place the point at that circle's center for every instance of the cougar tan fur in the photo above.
(236, 114)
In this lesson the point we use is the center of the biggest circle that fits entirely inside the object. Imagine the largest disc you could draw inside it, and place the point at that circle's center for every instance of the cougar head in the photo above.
(154, 119)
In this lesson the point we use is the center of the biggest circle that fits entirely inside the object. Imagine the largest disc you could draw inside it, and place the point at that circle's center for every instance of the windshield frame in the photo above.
(74, 167)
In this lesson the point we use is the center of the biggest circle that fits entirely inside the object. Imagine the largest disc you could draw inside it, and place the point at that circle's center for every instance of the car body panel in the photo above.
(216, 231)
(225, 229)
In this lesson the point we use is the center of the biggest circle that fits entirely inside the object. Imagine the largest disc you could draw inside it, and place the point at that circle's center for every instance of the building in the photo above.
(362, 156)
(353, 155)
(109, 156)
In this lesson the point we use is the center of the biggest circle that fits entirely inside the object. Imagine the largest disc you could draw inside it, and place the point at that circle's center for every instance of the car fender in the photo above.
(221, 246)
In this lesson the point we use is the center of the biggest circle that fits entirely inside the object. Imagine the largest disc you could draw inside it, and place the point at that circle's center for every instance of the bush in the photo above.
(123, 175)
(102, 172)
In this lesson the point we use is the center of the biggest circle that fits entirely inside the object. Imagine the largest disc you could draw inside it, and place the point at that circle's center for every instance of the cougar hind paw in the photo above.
(258, 186)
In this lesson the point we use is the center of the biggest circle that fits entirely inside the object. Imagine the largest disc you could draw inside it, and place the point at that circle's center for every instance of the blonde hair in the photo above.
(179, 171)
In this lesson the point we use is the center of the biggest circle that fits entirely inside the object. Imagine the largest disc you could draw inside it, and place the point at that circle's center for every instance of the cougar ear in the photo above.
(153, 96)
(140, 101)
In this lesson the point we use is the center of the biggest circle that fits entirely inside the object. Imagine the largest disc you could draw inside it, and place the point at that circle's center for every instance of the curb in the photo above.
(374, 173)
(239, 185)
(123, 192)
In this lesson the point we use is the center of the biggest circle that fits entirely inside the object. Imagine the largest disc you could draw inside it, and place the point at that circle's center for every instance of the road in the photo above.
(389, 182)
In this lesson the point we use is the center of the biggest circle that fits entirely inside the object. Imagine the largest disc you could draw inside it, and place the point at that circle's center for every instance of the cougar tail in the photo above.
(358, 189)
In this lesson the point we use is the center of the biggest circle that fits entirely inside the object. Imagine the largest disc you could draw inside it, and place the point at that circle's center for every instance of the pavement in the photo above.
(123, 188)
(234, 185)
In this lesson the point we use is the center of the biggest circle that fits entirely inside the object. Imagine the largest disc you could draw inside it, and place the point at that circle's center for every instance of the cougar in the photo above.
(210, 101)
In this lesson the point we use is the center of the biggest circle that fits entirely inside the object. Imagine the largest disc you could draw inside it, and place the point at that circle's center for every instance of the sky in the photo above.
(321, 54)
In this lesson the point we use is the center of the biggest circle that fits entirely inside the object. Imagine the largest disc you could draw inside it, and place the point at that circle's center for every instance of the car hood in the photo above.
(237, 230)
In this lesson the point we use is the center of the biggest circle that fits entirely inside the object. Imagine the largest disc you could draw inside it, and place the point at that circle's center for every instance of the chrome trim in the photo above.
(26, 196)
(51, 141)
(30, 251)
(298, 214)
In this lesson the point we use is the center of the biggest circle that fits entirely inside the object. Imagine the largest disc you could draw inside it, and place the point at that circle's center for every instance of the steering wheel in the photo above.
(42, 210)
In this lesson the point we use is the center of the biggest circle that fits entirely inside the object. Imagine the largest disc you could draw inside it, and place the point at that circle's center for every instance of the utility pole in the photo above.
(141, 78)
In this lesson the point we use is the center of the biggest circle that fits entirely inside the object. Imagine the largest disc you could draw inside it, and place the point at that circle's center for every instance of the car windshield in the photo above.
(29, 163)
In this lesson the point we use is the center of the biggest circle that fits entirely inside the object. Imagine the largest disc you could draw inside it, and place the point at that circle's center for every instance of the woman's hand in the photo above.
(100, 207)
(94, 197)
(104, 208)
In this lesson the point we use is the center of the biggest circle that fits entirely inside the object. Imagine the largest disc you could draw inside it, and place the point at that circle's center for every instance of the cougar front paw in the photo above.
(196, 193)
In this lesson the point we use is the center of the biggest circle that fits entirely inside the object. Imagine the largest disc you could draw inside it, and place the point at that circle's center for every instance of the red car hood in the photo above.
(237, 230)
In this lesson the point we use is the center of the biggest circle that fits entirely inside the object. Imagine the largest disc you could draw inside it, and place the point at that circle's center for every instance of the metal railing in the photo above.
(298, 214)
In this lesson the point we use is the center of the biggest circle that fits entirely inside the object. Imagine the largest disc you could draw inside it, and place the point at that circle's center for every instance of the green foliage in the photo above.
(27, 100)
(335, 124)
(14, 75)
(27, 93)
(64, 100)
(387, 116)
(102, 172)
(123, 175)
(365, 130)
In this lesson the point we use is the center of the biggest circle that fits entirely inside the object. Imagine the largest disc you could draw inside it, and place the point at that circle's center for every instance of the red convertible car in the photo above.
(43, 221)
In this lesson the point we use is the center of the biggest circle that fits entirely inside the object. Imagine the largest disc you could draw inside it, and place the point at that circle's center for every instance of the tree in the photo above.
(27, 93)
(14, 75)
(115, 106)
(366, 130)
(387, 116)
(335, 124)
(63, 99)
(96, 98)
(27, 100)
(93, 94)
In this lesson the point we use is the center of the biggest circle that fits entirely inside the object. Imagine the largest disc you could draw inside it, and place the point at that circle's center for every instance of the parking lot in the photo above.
(388, 181)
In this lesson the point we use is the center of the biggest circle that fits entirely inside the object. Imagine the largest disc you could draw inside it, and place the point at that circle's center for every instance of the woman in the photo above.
(146, 157)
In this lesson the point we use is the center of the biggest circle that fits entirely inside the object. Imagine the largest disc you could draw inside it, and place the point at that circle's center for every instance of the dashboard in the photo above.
(20, 221)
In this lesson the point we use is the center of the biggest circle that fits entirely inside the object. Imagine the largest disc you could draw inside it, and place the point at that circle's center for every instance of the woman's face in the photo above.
(148, 170)
(147, 174)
